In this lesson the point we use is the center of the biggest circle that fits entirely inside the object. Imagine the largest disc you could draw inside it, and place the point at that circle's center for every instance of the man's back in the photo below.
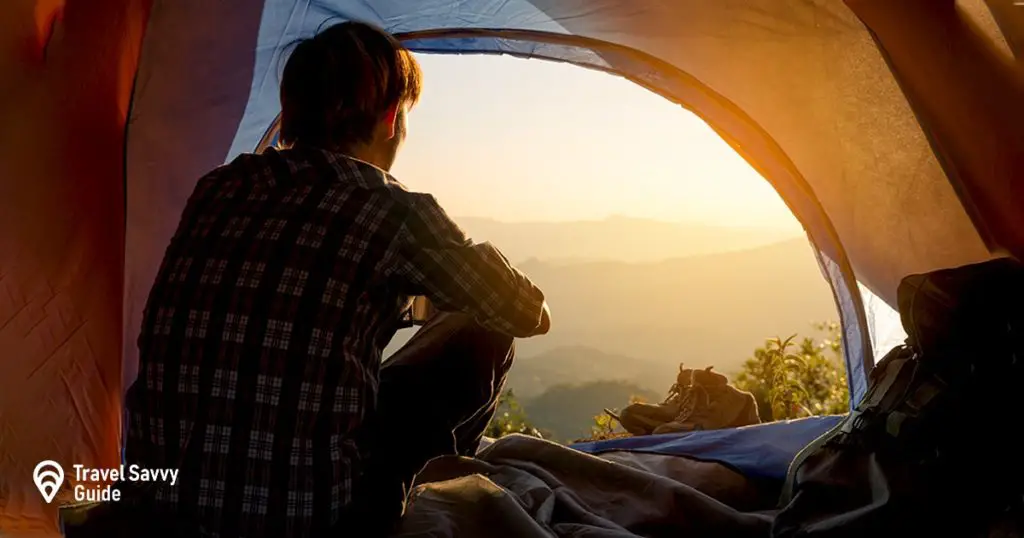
(261, 340)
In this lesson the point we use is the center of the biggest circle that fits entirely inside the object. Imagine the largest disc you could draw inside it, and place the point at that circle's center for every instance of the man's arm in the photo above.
(437, 260)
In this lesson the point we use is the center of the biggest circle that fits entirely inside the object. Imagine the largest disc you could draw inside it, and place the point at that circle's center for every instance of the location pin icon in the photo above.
(48, 477)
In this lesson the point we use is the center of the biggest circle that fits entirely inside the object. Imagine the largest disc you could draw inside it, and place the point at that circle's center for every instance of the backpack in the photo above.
(933, 448)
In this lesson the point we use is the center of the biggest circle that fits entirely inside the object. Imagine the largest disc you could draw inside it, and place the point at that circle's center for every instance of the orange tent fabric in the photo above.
(969, 95)
(66, 72)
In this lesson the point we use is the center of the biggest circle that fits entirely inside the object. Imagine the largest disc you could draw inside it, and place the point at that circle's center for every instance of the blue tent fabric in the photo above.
(285, 21)
(761, 451)
(856, 344)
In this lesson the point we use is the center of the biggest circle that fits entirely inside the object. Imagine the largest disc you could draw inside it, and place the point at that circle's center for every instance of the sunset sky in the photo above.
(521, 140)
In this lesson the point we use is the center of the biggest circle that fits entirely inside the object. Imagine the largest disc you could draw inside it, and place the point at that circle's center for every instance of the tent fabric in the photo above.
(66, 72)
(884, 323)
(105, 132)
(852, 317)
(761, 451)
(969, 99)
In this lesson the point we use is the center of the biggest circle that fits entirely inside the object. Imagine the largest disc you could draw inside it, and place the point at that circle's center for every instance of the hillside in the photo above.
(614, 238)
(571, 365)
(567, 411)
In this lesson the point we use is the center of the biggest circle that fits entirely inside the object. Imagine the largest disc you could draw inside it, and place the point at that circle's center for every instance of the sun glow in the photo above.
(525, 140)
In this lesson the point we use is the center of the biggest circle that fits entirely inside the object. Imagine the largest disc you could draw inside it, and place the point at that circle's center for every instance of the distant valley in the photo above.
(705, 309)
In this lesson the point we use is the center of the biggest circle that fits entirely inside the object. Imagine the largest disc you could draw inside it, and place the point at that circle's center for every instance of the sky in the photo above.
(531, 140)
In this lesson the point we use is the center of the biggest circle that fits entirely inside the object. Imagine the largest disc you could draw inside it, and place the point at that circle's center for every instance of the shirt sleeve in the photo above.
(436, 259)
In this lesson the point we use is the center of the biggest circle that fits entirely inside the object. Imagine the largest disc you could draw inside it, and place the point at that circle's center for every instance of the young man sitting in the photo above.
(260, 352)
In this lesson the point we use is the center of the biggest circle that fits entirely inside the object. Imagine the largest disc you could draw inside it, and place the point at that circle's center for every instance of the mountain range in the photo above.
(532, 375)
(702, 310)
(710, 309)
(618, 238)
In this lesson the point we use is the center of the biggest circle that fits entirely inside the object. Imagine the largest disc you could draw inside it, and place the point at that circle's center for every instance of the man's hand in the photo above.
(422, 310)
(545, 321)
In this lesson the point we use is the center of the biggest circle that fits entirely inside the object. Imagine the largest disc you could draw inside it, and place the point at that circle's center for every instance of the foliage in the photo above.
(510, 417)
(607, 425)
(603, 428)
(793, 378)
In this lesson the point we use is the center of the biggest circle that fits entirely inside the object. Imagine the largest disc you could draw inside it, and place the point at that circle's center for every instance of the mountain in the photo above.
(614, 238)
(701, 310)
(532, 375)
(710, 310)
(567, 411)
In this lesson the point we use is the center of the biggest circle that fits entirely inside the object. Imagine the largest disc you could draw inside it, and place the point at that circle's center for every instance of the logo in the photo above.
(96, 484)
(48, 477)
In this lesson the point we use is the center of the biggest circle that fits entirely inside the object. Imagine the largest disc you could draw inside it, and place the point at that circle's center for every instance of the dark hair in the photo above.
(337, 85)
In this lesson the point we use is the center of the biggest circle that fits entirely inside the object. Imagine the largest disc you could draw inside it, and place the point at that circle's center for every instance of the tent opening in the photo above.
(731, 123)
(656, 243)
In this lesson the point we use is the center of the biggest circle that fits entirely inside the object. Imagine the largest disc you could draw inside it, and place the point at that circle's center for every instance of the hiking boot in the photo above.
(713, 408)
(699, 400)
(704, 378)
(645, 418)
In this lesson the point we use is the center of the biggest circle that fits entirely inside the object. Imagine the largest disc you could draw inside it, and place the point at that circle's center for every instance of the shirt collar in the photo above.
(349, 168)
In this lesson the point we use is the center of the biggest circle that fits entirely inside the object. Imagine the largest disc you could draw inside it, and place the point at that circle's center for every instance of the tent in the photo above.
(890, 131)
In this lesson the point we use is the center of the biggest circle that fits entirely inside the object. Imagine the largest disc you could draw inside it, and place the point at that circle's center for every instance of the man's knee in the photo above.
(489, 346)
(456, 336)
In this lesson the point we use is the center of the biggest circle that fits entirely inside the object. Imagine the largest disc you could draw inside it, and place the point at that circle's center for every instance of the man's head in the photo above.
(348, 89)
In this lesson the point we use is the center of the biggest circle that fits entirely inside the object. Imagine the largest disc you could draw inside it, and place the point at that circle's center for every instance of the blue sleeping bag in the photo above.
(760, 451)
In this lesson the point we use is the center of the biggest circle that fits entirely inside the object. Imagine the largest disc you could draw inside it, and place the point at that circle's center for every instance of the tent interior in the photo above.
(895, 157)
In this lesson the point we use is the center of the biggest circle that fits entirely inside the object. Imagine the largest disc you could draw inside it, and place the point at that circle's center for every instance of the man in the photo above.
(260, 351)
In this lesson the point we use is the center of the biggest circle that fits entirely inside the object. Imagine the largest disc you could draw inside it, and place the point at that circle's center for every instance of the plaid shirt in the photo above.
(262, 336)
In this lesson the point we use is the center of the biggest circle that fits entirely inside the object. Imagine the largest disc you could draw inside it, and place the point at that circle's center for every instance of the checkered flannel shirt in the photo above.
(262, 336)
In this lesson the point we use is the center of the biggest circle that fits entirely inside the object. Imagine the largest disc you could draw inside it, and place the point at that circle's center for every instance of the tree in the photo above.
(797, 378)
